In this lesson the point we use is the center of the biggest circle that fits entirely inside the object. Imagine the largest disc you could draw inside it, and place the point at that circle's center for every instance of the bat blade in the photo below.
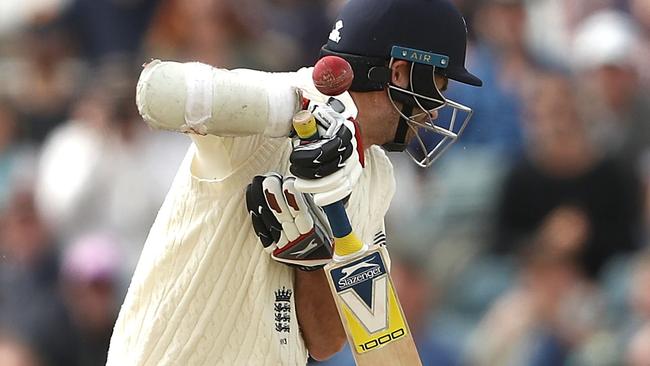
(370, 312)
(363, 291)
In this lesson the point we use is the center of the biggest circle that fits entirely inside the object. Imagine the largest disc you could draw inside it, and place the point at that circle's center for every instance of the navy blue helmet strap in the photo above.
(376, 71)
(399, 141)
(370, 73)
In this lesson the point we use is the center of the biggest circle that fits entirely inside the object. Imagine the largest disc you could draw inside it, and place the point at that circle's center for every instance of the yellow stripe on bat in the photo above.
(347, 245)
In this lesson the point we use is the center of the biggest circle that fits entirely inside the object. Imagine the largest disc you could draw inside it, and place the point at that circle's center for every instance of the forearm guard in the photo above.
(198, 98)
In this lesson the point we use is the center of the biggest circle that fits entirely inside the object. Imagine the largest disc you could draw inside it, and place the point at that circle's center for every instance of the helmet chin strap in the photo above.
(399, 141)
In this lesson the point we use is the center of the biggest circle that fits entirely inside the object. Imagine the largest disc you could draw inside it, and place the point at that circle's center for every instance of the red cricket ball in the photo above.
(332, 75)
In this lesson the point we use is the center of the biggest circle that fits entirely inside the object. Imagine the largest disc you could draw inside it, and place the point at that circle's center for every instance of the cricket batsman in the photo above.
(231, 272)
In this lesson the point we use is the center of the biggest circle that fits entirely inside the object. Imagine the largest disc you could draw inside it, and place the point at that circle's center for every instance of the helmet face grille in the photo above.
(431, 142)
(432, 137)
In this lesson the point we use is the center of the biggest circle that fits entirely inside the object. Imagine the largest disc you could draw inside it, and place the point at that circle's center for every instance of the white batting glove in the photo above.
(329, 166)
(288, 223)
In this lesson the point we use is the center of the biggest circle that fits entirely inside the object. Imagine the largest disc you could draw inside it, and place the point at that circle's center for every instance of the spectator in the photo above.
(552, 25)
(13, 352)
(637, 310)
(639, 295)
(222, 33)
(612, 99)
(90, 283)
(14, 153)
(29, 303)
(564, 195)
(92, 167)
(548, 314)
(43, 79)
(25, 242)
(638, 351)
(108, 30)
(640, 11)
(418, 297)
(500, 57)
(285, 16)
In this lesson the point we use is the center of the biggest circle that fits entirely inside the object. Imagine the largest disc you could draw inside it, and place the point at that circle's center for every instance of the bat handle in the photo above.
(346, 242)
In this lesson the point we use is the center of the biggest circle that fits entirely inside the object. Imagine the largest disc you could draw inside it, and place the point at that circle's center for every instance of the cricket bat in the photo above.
(363, 291)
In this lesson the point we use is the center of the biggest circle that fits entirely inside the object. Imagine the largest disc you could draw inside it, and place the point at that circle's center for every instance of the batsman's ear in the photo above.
(400, 73)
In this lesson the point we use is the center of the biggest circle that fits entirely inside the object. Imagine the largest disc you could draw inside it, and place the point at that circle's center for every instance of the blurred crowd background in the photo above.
(526, 244)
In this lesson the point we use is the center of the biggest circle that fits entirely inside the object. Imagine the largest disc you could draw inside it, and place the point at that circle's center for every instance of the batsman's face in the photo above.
(378, 116)
(420, 115)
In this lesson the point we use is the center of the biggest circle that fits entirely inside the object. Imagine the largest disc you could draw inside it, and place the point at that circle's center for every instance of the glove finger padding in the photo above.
(298, 206)
(312, 224)
(275, 200)
(266, 227)
(341, 183)
(309, 159)
(332, 181)
(304, 238)
(262, 232)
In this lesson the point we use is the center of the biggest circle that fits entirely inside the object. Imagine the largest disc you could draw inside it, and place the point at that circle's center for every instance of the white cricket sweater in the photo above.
(204, 292)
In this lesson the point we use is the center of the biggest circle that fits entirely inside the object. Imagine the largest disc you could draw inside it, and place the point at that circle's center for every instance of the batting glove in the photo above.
(288, 223)
(328, 167)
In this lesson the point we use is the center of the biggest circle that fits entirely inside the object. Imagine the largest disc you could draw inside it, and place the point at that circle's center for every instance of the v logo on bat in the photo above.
(370, 305)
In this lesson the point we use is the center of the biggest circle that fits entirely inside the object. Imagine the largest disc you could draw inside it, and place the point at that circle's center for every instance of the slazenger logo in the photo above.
(364, 287)
(351, 277)
(335, 34)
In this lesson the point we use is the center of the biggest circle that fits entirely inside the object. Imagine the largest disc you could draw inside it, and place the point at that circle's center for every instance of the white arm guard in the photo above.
(197, 98)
